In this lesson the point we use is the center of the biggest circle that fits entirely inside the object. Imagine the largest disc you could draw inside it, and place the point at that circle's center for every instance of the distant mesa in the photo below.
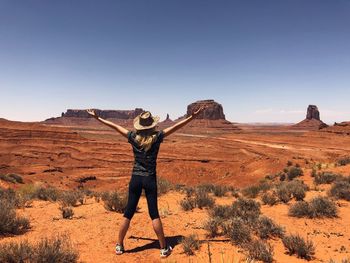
(339, 128)
(212, 110)
(106, 114)
(211, 117)
(312, 121)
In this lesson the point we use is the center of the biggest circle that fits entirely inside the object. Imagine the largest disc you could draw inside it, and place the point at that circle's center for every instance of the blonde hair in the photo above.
(146, 138)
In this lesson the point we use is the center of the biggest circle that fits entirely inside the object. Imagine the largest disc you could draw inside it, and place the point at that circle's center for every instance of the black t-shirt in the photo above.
(145, 162)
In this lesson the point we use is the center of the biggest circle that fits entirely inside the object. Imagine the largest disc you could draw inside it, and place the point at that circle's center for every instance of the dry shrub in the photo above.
(294, 172)
(344, 161)
(220, 190)
(267, 228)
(254, 190)
(246, 209)
(71, 198)
(326, 178)
(12, 178)
(115, 202)
(318, 207)
(297, 245)
(202, 199)
(188, 204)
(163, 186)
(57, 249)
(287, 190)
(212, 226)
(238, 231)
(259, 250)
(47, 194)
(190, 244)
(10, 223)
(13, 252)
(67, 212)
(341, 189)
(269, 198)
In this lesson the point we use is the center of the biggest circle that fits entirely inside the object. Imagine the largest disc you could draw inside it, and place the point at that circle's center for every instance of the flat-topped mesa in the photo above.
(106, 114)
(312, 113)
(212, 111)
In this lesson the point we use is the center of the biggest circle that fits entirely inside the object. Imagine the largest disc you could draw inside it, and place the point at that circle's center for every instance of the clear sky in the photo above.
(264, 61)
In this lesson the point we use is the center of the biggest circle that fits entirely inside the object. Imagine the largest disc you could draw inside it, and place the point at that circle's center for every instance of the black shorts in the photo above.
(137, 183)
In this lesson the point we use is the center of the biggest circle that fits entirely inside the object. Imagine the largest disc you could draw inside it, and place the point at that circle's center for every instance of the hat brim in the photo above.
(139, 127)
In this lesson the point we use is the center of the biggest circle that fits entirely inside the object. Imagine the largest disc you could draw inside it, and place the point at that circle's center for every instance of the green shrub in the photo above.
(190, 244)
(341, 190)
(259, 250)
(115, 202)
(295, 244)
(47, 194)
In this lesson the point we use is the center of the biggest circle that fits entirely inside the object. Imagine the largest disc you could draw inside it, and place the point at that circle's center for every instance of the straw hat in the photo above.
(145, 121)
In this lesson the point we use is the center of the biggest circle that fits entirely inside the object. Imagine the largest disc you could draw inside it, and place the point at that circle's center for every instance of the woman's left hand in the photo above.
(92, 113)
(196, 112)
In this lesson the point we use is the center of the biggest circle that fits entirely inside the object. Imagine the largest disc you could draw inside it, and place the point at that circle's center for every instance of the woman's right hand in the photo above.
(92, 113)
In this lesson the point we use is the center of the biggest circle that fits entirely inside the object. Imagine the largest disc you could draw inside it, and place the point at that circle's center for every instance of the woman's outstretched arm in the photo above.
(170, 130)
(114, 126)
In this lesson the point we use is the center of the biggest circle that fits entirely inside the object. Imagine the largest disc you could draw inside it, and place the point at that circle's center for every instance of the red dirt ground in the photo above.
(58, 156)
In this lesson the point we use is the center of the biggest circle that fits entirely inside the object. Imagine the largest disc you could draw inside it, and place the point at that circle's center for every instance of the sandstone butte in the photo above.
(312, 120)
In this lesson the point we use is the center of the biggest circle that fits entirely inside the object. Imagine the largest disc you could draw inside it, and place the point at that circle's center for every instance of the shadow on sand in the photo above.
(172, 241)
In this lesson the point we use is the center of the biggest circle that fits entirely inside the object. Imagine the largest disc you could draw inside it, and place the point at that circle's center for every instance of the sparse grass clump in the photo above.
(163, 186)
(326, 178)
(246, 209)
(114, 201)
(254, 190)
(202, 199)
(260, 250)
(220, 190)
(269, 198)
(294, 172)
(344, 161)
(12, 178)
(67, 212)
(238, 232)
(267, 228)
(190, 244)
(212, 226)
(341, 189)
(10, 223)
(295, 244)
(188, 204)
(287, 190)
(71, 198)
(317, 208)
(57, 249)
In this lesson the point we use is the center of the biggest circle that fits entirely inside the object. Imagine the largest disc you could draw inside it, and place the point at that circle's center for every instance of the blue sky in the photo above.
(264, 61)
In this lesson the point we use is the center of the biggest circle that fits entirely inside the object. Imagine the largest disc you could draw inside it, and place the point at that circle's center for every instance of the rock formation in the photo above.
(312, 113)
(106, 114)
(212, 117)
(312, 121)
(339, 128)
(212, 111)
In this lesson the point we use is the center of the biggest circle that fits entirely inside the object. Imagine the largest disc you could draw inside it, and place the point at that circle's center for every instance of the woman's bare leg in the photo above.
(124, 226)
(158, 228)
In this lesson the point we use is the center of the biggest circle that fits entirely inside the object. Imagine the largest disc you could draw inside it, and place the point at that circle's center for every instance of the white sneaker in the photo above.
(164, 252)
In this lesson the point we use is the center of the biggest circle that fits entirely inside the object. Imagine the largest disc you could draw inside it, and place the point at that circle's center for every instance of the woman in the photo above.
(145, 144)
